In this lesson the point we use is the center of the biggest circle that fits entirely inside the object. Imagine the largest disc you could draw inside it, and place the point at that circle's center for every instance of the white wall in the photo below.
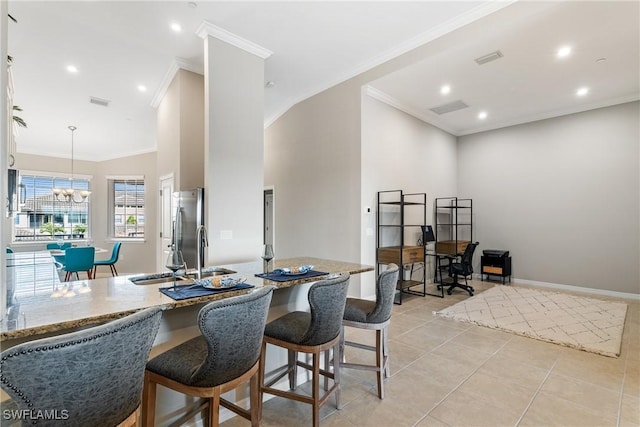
(135, 256)
(312, 161)
(400, 152)
(234, 152)
(562, 195)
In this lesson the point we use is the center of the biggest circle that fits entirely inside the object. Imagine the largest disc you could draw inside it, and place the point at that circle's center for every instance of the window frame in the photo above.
(78, 180)
(112, 180)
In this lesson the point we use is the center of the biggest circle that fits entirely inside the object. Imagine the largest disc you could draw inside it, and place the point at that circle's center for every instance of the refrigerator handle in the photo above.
(178, 229)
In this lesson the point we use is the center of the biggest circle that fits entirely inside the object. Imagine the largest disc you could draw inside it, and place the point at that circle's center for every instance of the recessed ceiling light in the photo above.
(269, 84)
(482, 115)
(142, 88)
(72, 69)
(582, 91)
(563, 52)
(192, 4)
(176, 27)
(600, 60)
(446, 89)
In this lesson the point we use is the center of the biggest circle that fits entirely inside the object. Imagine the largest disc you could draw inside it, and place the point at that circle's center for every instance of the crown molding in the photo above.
(38, 151)
(176, 64)
(405, 108)
(395, 103)
(207, 29)
(554, 113)
(413, 43)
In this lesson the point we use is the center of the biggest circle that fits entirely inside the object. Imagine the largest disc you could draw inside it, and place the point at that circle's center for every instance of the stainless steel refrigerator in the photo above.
(188, 213)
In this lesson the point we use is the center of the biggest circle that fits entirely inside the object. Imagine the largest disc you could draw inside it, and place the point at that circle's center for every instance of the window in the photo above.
(127, 207)
(43, 216)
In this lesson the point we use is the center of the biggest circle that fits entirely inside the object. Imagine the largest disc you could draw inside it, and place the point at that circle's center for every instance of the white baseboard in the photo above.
(593, 291)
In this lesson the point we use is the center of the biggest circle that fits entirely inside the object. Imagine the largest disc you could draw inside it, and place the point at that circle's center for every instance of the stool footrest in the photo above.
(300, 397)
(364, 367)
(359, 345)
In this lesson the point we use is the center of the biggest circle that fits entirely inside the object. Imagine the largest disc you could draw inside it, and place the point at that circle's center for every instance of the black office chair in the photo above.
(463, 268)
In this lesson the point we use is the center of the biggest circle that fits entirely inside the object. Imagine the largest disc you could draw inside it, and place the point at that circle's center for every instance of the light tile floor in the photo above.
(448, 373)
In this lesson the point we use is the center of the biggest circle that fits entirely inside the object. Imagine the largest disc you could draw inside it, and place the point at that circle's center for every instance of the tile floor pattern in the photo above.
(448, 373)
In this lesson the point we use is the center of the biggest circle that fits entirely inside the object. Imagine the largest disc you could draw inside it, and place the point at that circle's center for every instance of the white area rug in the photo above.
(587, 324)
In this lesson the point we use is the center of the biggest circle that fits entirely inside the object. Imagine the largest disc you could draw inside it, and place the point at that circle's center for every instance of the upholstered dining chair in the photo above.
(373, 315)
(79, 259)
(9, 250)
(92, 377)
(111, 262)
(311, 333)
(225, 356)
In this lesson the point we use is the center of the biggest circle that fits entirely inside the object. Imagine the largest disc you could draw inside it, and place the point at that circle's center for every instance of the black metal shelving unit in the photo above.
(454, 224)
(393, 209)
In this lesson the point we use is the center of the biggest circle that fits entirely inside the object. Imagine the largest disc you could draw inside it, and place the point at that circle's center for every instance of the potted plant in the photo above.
(79, 230)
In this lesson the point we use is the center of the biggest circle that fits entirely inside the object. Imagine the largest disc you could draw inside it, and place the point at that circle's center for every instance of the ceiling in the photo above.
(529, 82)
(117, 46)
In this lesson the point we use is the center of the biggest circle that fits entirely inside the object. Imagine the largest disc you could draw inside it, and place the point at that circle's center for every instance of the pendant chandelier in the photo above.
(69, 194)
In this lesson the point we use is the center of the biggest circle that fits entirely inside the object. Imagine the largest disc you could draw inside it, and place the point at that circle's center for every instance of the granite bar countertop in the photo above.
(96, 301)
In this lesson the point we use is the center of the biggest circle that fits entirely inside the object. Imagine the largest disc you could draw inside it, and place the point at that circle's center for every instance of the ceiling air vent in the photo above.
(489, 57)
(451, 106)
(99, 101)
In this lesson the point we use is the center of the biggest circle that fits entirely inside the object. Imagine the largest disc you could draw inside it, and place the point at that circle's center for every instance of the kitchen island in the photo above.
(66, 306)
(47, 307)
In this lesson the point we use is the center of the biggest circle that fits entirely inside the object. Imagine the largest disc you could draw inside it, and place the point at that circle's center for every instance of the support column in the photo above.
(234, 145)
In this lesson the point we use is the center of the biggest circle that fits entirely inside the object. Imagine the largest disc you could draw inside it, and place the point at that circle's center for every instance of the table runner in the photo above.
(194, 291)
(286, 278)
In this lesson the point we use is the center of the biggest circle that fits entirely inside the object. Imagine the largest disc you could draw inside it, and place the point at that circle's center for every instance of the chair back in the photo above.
(115, 252)
(79, 259)
(326, 299)
(56, 246)
(233, 329)
(385, 292)
(467, 258)
(90, 377)
(9, 250)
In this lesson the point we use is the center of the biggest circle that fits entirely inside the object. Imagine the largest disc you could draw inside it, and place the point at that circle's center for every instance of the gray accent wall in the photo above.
(563, 195)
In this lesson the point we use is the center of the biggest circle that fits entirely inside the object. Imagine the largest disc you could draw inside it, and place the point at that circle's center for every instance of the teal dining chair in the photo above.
(79, 259)
(9, 250)
(51, 246)
(54, 246)
(111, 262)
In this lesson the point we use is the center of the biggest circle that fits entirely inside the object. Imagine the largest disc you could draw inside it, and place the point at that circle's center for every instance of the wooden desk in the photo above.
(439, 257)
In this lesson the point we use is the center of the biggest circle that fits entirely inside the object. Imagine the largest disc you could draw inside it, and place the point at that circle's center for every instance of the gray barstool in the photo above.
(310, 333)
(373, 315)
(92, 377)
(222, 358)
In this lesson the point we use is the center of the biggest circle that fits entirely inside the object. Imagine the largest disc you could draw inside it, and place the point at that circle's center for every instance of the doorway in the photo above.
(269, 222)
(165, 220)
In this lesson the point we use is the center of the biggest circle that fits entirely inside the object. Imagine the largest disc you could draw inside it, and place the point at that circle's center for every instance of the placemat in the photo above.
(194, 291)
(288, 278)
